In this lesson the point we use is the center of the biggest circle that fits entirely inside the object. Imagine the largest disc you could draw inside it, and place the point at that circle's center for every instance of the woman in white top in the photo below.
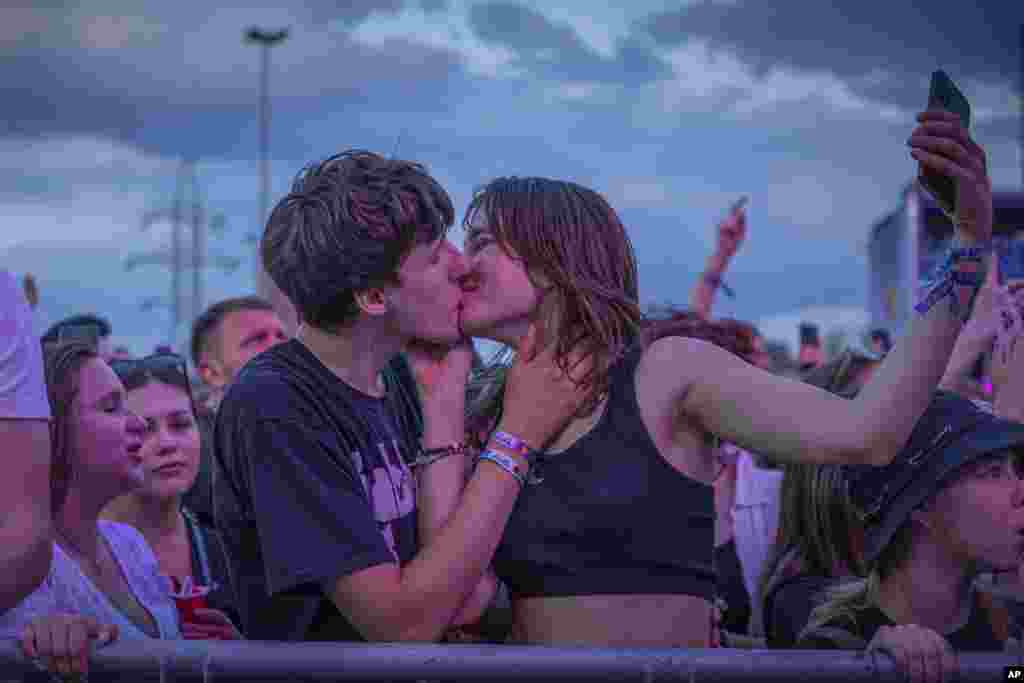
(104, 579)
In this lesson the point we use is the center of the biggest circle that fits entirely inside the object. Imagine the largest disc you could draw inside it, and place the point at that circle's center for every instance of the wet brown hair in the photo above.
(577, 253)
(63, 365)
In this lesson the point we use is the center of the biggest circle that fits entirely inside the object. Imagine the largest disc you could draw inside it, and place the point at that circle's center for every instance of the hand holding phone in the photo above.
(943, 94)
(951, 165)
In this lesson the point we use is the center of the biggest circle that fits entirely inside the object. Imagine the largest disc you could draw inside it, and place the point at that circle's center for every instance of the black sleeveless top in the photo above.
(611, 516)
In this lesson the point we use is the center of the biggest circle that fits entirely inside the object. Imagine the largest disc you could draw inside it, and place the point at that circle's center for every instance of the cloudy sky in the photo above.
(671, 109)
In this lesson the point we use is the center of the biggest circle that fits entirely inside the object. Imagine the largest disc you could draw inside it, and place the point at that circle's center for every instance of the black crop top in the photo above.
(611, 516)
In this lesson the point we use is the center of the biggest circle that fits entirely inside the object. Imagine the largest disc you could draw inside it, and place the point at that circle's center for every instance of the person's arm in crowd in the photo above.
(26, 532)
(26, 536)
(792, 421)
(420, 600)
(440, 381)
(976, 338)
(731, 233)
(61, 642)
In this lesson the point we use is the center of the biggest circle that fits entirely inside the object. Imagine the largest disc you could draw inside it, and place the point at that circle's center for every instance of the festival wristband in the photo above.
(513, 443)
(950, 275)
(506, 462)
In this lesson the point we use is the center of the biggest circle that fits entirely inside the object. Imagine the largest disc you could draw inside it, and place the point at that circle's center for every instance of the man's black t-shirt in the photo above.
(316, 487)
(856, 631)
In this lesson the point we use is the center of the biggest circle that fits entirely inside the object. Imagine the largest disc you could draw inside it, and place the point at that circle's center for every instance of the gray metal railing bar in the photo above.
(249, 660)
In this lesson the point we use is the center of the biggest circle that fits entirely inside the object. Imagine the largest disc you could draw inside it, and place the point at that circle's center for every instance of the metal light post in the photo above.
(264, 285)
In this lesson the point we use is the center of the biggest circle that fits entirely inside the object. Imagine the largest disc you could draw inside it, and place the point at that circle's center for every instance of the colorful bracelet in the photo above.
(505, 462)
(943, 284)
(429, 456)
(515, 445)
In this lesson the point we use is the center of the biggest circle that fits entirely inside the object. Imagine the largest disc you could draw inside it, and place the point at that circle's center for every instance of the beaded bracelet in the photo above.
(512, 443)
(948, 277)
(505, 462)
(429, 456)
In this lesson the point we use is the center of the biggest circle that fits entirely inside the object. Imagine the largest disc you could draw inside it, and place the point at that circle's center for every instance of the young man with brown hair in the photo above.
(330, 536)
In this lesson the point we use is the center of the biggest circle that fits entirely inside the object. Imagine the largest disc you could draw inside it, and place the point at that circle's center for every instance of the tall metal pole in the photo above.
(264, 285)
(178, 215)
(264, 134)
(198, 245)
(1020, 103)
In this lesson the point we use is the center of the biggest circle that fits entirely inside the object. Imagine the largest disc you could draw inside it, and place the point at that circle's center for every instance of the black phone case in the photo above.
(943, 94)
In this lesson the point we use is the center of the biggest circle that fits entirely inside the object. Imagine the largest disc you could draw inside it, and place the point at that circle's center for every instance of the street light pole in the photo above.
(264, 285)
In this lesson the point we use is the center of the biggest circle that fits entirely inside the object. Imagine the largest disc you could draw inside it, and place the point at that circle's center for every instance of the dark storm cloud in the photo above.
(351, 13)
(906, 40)
(556, 50)
(164, 84)
(430, 6)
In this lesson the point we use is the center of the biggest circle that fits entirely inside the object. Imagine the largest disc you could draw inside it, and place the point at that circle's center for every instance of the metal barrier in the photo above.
(252, 660)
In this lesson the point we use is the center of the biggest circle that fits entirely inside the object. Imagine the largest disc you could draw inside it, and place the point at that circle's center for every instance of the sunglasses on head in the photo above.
(157, 362)
(85, 332)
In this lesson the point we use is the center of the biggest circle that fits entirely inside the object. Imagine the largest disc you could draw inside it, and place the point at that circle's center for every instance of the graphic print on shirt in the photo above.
(390, 486)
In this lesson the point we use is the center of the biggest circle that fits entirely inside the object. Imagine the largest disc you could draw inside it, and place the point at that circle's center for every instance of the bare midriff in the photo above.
(677, 621)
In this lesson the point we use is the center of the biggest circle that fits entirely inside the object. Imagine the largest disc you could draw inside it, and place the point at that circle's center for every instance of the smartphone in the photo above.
(943, 94)
(809, 335)
(739, 204)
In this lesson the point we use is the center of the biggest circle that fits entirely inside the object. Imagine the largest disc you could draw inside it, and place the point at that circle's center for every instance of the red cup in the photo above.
(187, 607)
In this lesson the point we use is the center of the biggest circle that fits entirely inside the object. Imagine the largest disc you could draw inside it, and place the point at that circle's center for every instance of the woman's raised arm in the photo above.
(793, 421)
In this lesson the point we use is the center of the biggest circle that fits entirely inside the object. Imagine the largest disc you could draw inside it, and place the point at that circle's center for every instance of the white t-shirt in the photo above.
(755, 513)
(22, 382)
(68, 590)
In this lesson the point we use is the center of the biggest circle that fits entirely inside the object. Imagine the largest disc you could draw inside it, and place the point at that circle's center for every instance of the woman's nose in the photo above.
(135, 425)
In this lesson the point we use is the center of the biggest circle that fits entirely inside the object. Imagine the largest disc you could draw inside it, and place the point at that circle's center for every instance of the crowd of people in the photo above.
(618, 478)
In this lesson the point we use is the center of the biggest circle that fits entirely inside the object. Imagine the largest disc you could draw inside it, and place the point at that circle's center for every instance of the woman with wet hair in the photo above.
(611, 541)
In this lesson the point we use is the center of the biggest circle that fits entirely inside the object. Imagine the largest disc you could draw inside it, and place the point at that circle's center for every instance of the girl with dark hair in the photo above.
(104, 580)
(613, 545)
(159, 392)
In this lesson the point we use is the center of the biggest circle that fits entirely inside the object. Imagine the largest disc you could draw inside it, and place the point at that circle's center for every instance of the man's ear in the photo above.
(372, 301)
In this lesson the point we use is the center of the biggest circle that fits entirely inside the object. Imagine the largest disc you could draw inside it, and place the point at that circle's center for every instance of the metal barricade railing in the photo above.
(253, 660)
